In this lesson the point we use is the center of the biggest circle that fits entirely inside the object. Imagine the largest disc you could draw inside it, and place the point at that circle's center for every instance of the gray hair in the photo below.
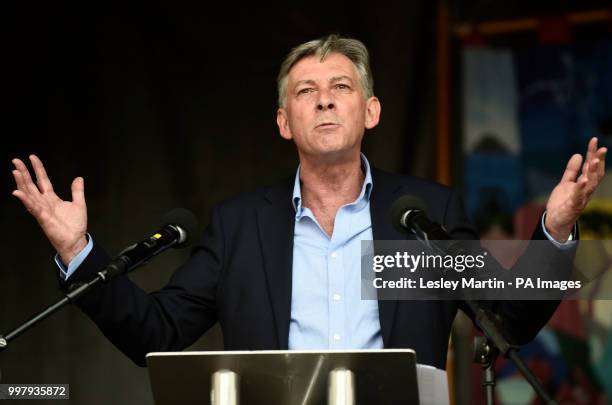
(351, 48)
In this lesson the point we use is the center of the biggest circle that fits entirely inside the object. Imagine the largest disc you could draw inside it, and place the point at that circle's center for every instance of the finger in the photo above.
(601, 155)
(28, 185)
(19, 180)
(580, 194)
(591, 150)
(78, 190)
(592, 176)
(44, 184)
(572, 169)
(27, 188)
(595, 174)
(27, 203)
(593, 166)
(584, 176)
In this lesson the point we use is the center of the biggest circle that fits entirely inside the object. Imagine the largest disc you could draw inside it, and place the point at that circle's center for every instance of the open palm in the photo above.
(569, 198)
(63, 222)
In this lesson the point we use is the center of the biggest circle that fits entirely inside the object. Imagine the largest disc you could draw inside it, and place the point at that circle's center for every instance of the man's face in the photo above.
(325, 111)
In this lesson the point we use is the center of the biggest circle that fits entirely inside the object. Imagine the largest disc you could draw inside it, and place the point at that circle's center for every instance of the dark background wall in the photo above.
(160, 107)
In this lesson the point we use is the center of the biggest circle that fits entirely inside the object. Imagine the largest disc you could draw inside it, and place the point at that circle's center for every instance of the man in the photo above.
(279, 267)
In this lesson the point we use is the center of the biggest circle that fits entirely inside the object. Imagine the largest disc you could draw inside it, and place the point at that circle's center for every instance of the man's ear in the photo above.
(372, 112)
(282, 121)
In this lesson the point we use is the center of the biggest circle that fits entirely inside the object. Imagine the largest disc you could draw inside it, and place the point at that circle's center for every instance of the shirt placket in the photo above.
(336, 278)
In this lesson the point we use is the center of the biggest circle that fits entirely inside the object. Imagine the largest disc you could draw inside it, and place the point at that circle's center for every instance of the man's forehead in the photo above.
(333, 67)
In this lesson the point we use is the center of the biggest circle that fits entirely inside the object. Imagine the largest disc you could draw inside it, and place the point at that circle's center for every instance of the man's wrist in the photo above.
(560, 234)
(72, 252)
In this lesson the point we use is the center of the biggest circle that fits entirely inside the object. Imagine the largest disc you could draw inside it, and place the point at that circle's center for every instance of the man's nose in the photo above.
(325, 101)
(325, 106)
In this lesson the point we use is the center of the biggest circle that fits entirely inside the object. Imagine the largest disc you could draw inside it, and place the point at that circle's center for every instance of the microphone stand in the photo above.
(485, 354)
(179, 223)
(130, 258)
(490, 324)
(70, 297)
(117, 266)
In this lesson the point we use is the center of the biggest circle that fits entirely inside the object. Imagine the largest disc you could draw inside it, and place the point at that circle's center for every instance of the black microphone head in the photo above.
(185, 221)
(401, 206)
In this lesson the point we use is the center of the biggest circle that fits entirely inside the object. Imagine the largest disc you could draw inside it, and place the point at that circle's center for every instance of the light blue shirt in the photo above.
(327, 311)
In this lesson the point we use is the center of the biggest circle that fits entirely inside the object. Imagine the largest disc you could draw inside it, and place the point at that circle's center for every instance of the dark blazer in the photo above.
(239, 274)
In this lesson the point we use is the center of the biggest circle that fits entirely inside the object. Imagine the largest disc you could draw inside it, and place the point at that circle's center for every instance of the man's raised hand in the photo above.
(63, 222)
(569, 198)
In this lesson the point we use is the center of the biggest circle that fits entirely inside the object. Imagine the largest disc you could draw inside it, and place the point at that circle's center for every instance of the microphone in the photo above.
(408, 215)
(179, 226)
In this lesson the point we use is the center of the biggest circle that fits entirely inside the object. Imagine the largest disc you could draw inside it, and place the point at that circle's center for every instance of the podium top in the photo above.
(284, 377)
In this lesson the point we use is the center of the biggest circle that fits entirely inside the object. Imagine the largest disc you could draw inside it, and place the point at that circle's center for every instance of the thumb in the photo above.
(78, 190)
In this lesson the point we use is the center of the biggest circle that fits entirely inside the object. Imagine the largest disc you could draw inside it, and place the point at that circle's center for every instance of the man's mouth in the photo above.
(325, 125)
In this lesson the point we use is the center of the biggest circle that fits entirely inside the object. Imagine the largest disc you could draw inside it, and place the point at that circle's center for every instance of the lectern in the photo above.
(331, 377)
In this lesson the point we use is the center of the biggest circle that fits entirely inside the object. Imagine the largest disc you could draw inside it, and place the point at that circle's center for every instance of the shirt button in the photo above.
(334, 255)
(337, 297)
(336, 336)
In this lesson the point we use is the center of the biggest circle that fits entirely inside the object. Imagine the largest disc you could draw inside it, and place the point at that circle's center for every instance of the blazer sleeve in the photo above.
(170, 319)
(521, 319)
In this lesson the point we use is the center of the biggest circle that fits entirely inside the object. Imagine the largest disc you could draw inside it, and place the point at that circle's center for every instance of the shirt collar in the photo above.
(364, 195)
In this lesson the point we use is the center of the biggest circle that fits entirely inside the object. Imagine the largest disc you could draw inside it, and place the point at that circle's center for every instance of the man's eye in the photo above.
(342, 86)
(305, 91)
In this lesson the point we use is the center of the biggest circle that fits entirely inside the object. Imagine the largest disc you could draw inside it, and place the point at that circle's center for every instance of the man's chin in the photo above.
(331, 154)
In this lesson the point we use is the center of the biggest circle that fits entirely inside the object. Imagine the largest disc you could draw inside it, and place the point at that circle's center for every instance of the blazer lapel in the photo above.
(275, 222)
(384, 192)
